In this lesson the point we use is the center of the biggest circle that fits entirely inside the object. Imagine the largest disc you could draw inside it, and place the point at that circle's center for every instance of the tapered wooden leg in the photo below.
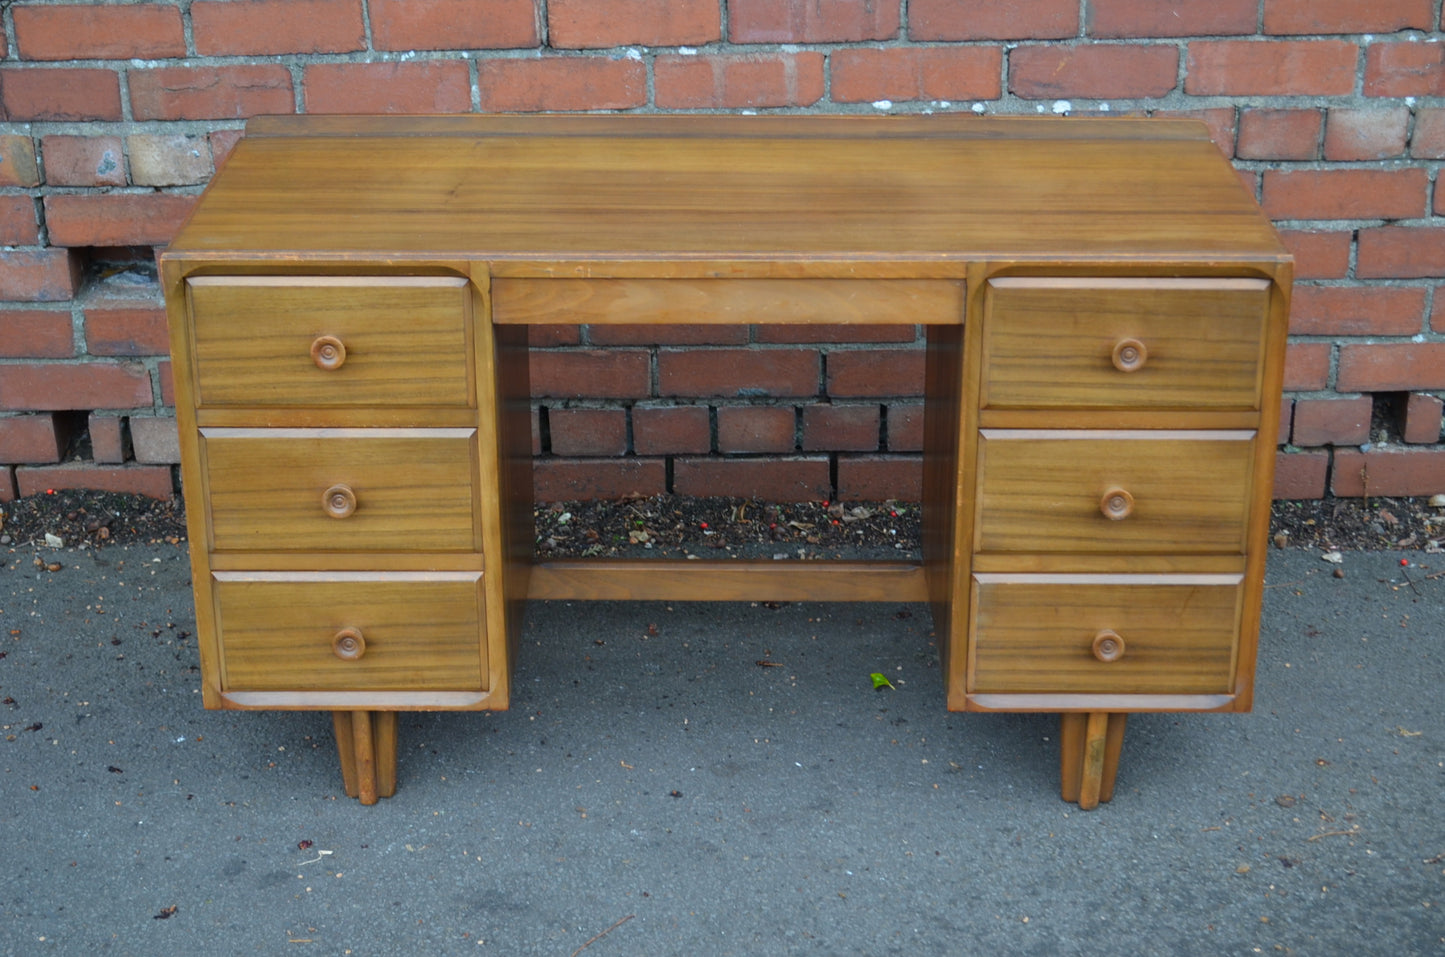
(366, 744)
(1089, 747)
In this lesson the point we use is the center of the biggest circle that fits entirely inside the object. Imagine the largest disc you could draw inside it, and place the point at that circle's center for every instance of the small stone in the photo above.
(1281, 539)
(1285, 800)
(1339, 573)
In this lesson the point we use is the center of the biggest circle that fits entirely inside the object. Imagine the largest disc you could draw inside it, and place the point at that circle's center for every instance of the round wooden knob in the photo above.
(1116, 504)
(1130, 355)
(1108, 646)
(339, 501)
(349, 645)
(328, 352)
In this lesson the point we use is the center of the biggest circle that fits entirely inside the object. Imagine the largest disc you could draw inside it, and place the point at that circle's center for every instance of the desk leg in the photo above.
(1089, 746)
(366, 744)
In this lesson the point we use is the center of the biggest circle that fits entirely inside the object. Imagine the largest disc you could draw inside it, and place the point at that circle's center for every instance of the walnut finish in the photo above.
(1105, 311)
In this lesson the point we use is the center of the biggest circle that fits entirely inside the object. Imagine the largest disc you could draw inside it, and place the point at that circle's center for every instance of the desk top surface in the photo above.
(846, 190)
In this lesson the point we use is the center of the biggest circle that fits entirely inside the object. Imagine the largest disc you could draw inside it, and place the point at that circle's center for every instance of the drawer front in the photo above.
(1038, 634)
(417, 632)
(331, 341)
(355, 490)
(1125, 344)
(1120, 492)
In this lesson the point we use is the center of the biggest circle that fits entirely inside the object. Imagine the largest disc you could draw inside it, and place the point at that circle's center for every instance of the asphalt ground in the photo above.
(656, 790)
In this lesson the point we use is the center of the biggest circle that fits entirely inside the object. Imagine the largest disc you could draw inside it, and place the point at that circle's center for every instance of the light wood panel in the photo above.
(405, 340)
(742, 580)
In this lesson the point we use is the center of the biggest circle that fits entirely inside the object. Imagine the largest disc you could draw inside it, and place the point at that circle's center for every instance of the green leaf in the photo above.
(880, 681)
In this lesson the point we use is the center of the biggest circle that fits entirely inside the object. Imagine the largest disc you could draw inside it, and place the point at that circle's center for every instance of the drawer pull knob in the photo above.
(339, 501)
(328, 352)
(1130, 355)
(1116, 504)
(1108, 646)
(349, 645)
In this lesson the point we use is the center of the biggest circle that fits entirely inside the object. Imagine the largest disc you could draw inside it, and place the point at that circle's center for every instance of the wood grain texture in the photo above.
(741, 580)
(406, 340)
(1048, 343)
(724, 301)
(414, 489)
(1040, 491)
(739, 189)
(1035, 636)
(423, 632)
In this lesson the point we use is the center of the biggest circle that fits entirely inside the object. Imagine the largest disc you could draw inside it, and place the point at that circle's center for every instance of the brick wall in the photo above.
(113, 116)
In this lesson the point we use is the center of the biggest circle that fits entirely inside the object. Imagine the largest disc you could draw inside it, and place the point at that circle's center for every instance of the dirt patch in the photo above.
(677, 526)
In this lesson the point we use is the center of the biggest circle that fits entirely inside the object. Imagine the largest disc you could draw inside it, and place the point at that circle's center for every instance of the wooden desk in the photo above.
(1106, 316)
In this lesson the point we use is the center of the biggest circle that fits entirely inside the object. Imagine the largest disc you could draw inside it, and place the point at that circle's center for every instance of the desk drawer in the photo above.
(398, 490)
(1165, 634)
(320, 341)
(1120, 343)
(406, 631)
(1113, 491)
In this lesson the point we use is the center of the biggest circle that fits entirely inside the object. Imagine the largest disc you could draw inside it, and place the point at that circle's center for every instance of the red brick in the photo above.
(36, 334)
(32, 439)
(1318, 254)
(1128, 19)
(763, 428)
(115, 219)
(991, 20)
(18, 225)
(99, 31)
(83, 160)
(905, 426)
(874, 478)
(578, 432)
(875, 372)
(1332, 421)
(840, 428)
(43, 275)
(1357, 310)
(109, 439)
(1347, 16)
(1275, 68)
(671, 430)
(1404, 69)
(1420, 418)
(1300, 475)
(210, 92)
(561, 83)
(580, 24)
(155, 439)
(1391, 367)
(1279, 134)
(152, 480)
(666, 334)
(92, 385)
(1388, 471)
(1345, 193)
(137, 329)
(59, 94)
(564, 480)
(17, 161)
(868, 74)
(168, 383)
(1401, 252)
(811, 21)
(1286, 419)
(594, 374)
(738, 372)
(548, 336)
(733, 82)
(1428, 140)
(264, 27)
(833, 332)
(222, 142)
(1366, 134)
(1104, 71)
(168, 159)
(1437, 311)
(8, 492)
(424, 86)
(1306, 366)
(791, 479)
(453, 24)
